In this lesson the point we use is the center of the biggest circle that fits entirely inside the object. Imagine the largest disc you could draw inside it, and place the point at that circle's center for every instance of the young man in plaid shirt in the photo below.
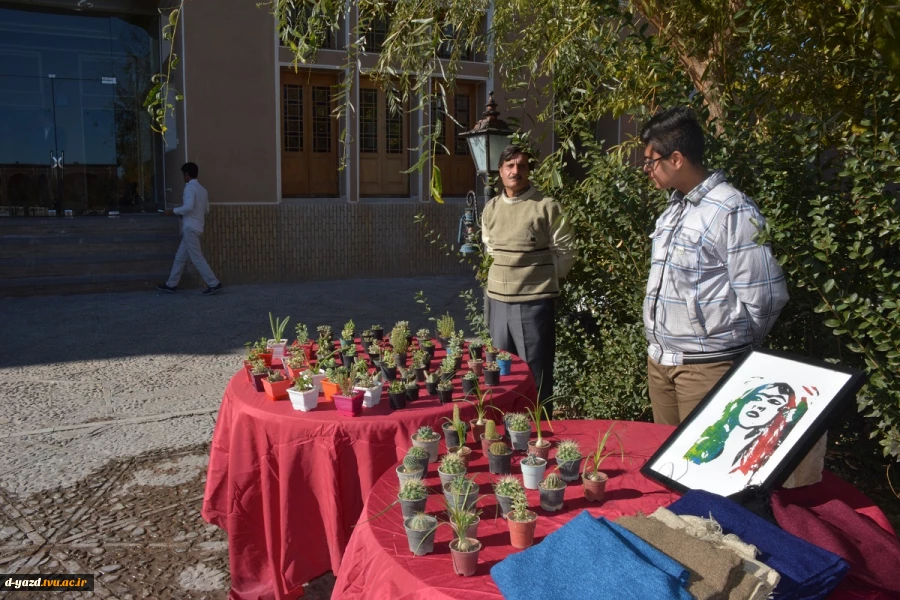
(713, 290)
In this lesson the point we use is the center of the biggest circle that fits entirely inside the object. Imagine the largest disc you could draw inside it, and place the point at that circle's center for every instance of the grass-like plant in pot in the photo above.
(463, 549)
(451, 467)
(499, 458)
(303, 393)
(276, 385)
(519, 430)
(489, 436)
(552, 491)
(482, 404)
(410, 468)
(450, 427)
(506, 489)
(536, 412)
(568, 459)
(420, 529)
(278, 342)
(397, 394)
(592, 477)
(426, 437)
(522, 522)
(461, 492)
(412, 496)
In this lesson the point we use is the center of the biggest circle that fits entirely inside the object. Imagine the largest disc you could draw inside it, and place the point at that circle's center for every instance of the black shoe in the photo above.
(212, 290)
(164, 288)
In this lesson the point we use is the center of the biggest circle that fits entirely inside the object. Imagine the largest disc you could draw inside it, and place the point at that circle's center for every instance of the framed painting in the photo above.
(756, 425)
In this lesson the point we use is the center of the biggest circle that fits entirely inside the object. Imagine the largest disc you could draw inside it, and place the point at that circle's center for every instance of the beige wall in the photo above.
(229, 62)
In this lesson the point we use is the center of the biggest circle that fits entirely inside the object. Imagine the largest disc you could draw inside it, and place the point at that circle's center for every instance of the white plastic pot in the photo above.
(304, 401)
(317, 380)
(372, 395)
(277, 347)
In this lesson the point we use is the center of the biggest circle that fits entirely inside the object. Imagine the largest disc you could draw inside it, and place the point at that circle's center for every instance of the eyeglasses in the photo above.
(649, 163)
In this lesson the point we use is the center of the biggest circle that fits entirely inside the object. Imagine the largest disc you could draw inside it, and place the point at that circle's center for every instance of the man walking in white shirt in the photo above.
(193, 213)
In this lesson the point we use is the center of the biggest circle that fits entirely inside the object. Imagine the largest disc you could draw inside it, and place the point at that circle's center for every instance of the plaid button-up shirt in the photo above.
(712, 287)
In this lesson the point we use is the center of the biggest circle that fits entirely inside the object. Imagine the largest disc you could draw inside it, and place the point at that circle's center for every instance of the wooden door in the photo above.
(309, 145)
(383, 154)
(454, 161)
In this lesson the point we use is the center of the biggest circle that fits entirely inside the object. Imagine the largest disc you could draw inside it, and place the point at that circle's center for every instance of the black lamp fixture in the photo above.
(487, 141)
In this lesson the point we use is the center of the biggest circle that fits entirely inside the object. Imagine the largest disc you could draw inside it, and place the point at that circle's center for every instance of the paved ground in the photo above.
(107, 407)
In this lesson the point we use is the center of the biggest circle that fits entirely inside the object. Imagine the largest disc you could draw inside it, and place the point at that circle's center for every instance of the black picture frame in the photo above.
(776, 446)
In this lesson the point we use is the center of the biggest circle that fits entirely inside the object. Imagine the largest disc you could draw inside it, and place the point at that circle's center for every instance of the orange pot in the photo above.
(294, 372)
(521, 534)
(329, 390)
(594, 490)
(277, 390)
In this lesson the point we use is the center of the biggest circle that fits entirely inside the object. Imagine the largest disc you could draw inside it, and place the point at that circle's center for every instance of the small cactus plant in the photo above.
(463, 486)
(275, 376)
(520, 510)
(567, 450)
(518, 422)
(426, 434)
(499, 449)
(452, 464)
(417, 452)
(508, 486)
(553, 482)
(455, 415)
(490, 430)
(411, 464)
(421, 522)
(413, 489)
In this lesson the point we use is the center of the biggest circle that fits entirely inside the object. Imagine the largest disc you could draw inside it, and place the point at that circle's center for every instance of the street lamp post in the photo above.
(486, 142)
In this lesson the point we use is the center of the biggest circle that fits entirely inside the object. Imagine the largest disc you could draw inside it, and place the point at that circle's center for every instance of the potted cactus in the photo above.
(276, 385)
(519, 430)
(464, 549)
(348, 401)
(278, 342)
(489, 436)
(540, 446)
(304, 394)
(412, 496)
(499, 458)
(397, 394)
(421, 455)
(431, 382)
(552, 490)
(504, 361)
(451, 467)
(506, 489)
(522, 523)
(420, 529)
(446, 327)
(469, 383)
(491, 373)
(462, 492)
(451, 429)
(410, 468)
(568, 459)
(533, 468)
(445, 392)
(594, 480)
(427, 438)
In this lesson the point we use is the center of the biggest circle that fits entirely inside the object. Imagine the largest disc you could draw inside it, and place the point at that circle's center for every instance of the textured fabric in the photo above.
(806, 570)
(675, 391)
(564, 565)
(189, 249)
(711, 286)
(833, 524)
(531, 246)
(759, 579)
(288, 486)
(528, 330)
(713, 573)
(195, 206)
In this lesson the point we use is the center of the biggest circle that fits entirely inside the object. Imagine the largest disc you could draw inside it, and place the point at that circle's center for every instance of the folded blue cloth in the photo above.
(587, 558)
(807, 571)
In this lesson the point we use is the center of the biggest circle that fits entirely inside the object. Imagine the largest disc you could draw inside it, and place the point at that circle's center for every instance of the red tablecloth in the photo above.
(288, 486)
(379, 566)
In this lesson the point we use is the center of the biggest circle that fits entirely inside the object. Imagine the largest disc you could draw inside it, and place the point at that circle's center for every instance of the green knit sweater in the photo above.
(530, 243)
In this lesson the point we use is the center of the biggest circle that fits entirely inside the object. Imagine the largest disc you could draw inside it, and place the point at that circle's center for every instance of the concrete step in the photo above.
(85, 265)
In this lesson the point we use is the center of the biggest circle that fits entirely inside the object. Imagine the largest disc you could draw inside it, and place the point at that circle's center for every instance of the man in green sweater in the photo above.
(531, 245)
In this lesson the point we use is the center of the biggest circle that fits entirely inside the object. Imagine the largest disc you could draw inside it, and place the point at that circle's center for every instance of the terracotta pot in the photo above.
(292, 372)
(476, 366)
(466, 453)
(276, 390)
(329, 390)
(539, 451)
(465, 563)
(477, 430)
(594, 490)
(521, 533)
(486, 444)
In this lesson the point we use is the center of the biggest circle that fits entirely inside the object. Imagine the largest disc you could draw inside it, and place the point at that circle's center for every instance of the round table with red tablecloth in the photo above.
(288, 486)
(378, 565)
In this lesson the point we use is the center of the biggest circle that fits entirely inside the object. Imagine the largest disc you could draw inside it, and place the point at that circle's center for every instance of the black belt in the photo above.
(699, 358)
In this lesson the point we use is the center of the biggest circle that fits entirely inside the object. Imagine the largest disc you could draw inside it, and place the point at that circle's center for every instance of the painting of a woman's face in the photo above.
(763, 407)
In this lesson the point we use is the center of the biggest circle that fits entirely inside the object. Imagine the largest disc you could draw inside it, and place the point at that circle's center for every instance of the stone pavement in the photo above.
(107, 407)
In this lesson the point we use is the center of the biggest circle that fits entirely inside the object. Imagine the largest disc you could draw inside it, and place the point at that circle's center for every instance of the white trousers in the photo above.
(190, 249)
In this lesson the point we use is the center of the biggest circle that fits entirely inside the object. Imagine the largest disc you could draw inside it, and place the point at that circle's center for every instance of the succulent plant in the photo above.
(448, 365)
(471, 376)
(423, 334)
(445, 326)
(302, 332)
(417, 452)
(567, 450)
(533, 460)
(418, 359)
(303, 382)
(445, 386)
(421, 522)
(503, 355)
(518, 422)
(276, 376)
(520, 510)
(411, 464)
(491, 366)
(463, 486)
(490, 430)
(374, 349)
(452, 464)
(397, 387)
(324, 331)
(553, 482)
(258, 367)
(508, 486)
(426, 434)
(347, 331)
(413, 489)
(499, 449)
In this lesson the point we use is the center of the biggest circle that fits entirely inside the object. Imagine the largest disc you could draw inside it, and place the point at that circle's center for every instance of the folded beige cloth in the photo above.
(759, 579)
(713, 573)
